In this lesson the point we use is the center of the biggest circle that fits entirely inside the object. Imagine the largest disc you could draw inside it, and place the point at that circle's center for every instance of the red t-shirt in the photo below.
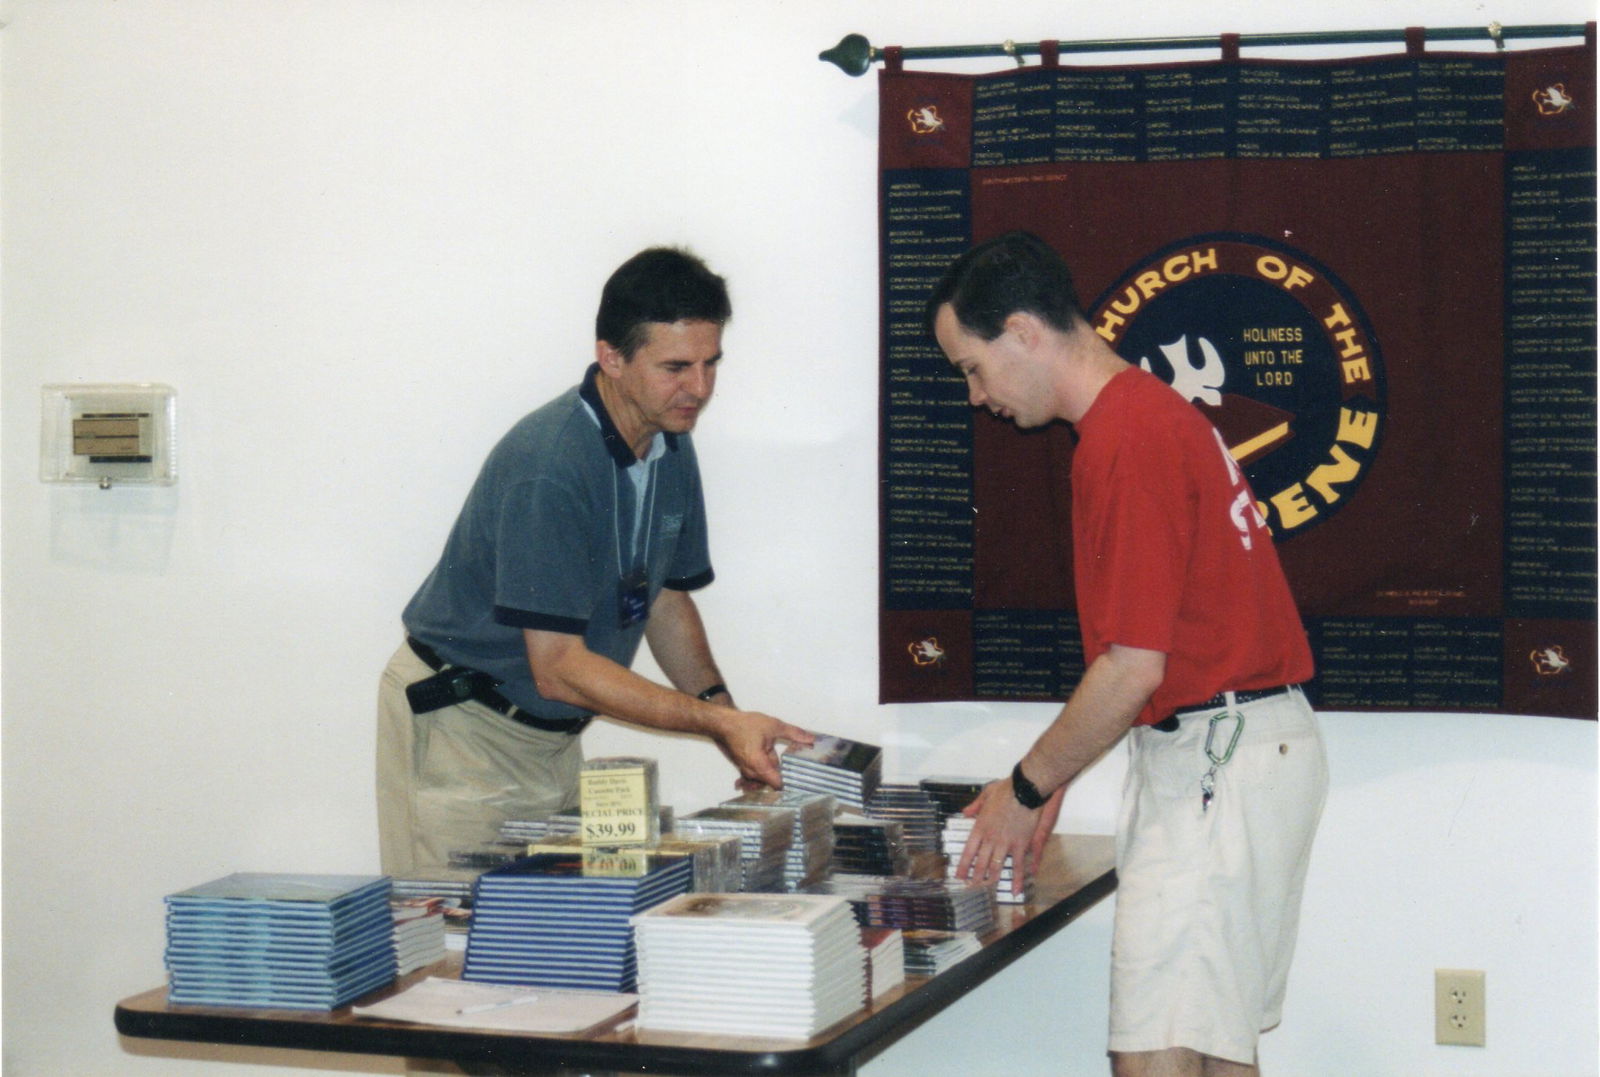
(1170, 553)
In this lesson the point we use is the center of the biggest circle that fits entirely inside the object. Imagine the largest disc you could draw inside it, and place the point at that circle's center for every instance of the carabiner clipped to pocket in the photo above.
(1233, 741)
(1208, 781)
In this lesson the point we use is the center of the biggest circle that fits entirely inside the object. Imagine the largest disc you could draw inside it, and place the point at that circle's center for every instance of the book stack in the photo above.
(763, 834)
(850, 770)
(811, 844)
(450, 886)
(718, 860)
(952, 794)
(863, 846)
(524, 831)
(929, 953)
(449, 890)
(481, 858)
(784, 966)
(886, 959)
(561, 919)
(715, 863)
(419, 934)
(911, 807)
(957, 829)
(939, 904)
(300, 942)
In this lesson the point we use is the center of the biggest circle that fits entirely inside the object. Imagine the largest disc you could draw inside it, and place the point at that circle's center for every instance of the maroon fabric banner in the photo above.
(1375, 276)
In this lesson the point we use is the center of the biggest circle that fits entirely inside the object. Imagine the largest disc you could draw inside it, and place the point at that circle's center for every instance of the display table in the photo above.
(1076, 872)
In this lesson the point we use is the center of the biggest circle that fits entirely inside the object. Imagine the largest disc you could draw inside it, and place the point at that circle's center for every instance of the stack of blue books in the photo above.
(302, 942)
(561, 919)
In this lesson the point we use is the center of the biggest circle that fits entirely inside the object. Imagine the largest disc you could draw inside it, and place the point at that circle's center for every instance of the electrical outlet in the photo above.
(1458, 1011)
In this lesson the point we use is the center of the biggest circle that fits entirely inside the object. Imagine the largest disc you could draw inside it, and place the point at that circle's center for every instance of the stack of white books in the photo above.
(849, 770)
(448, 890)
(930, 952)
(957, 829)
(768, 965)
(886, 959)
(303, 942)
(419, 935)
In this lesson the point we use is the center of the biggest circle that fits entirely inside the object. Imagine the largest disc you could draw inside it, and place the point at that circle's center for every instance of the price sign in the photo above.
(616, 805)
(616, 863)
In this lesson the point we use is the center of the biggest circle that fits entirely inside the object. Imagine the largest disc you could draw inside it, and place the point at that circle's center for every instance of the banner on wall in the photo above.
(1375, 276)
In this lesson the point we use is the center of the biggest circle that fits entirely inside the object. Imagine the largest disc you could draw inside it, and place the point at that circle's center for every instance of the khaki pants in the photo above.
(448, 779)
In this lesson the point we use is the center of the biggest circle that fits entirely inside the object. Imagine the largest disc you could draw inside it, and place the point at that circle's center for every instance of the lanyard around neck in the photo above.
(644, 510)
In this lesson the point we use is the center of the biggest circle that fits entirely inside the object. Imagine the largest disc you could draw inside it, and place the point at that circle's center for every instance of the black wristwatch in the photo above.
(1026, 792)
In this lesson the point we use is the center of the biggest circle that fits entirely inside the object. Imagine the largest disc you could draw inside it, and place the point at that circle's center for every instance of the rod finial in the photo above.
(852, 55)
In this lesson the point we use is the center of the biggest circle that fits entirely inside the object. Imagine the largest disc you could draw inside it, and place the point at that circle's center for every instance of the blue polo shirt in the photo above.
(560, 514)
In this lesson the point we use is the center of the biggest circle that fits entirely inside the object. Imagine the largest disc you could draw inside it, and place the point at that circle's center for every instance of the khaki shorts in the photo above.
(448, 779)
(1208, 900)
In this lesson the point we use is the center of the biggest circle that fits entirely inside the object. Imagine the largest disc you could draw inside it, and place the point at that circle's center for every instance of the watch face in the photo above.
(1026, 792)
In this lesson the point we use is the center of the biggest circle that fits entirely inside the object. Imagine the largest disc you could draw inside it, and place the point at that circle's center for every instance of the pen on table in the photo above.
(487, 1006)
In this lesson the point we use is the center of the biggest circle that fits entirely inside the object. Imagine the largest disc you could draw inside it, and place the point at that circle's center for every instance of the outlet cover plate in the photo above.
(1458, 1007)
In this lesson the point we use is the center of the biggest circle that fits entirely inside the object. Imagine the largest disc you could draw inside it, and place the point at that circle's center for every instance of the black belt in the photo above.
(1169, 724)
(456, 684)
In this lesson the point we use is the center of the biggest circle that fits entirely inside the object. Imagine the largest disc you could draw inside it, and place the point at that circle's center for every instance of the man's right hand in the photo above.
(750, 741)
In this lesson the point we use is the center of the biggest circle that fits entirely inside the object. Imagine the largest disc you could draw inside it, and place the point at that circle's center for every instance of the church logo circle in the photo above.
(1274, 350)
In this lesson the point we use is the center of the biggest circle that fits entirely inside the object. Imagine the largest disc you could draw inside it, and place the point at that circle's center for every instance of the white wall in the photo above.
(361, 237)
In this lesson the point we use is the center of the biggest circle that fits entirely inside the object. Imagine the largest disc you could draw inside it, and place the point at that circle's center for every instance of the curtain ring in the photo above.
(1496, 36)
(1011, 50)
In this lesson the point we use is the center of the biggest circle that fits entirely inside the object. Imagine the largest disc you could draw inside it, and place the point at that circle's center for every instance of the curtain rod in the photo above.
(854, 54)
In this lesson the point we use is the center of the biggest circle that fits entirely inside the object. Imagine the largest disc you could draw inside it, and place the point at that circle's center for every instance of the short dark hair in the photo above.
(661, 284)
(1014, 272)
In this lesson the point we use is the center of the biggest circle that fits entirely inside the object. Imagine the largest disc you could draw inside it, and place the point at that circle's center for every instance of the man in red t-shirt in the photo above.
(1191, 639)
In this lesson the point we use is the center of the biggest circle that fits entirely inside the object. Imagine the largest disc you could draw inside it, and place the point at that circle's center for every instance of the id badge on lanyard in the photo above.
(633, 598)
(633, 586)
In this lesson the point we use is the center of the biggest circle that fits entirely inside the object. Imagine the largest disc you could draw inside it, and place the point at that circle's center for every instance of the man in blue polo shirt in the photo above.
(584, 534)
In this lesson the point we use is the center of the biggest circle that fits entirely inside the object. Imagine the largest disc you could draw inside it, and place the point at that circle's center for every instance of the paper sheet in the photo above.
(440, 1001)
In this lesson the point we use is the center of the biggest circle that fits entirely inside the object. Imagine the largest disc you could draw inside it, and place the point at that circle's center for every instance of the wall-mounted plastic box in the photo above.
(109, 435)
